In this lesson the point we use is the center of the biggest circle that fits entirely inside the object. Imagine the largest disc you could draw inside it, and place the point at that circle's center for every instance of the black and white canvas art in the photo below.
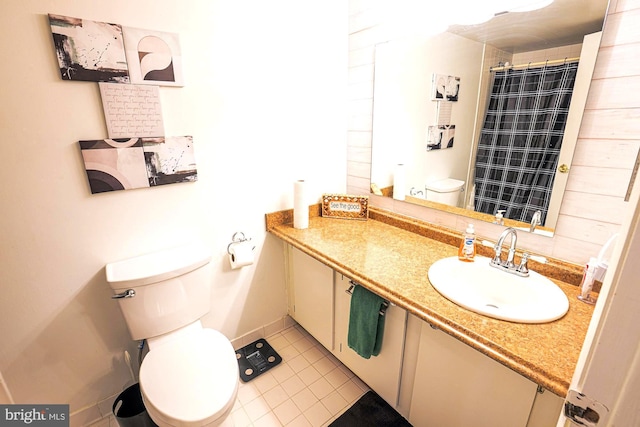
(170, 160)
(128, 163)
(439, 137)
(89, 50)
(154, 57)
(445, 88)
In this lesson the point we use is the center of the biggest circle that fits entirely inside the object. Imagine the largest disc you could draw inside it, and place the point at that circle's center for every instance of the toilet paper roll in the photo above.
(300, 205)
(399, 182)
(241, 254)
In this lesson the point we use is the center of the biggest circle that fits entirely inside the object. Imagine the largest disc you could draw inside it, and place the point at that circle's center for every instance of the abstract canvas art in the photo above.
(154, 57)
(170, 160)
(114, 164)
(445, 88)
(128, 163)
(440, 136)
(89, 50)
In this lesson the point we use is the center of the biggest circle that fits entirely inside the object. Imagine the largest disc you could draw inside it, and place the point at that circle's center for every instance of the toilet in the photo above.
(190, 375)
(445, 191)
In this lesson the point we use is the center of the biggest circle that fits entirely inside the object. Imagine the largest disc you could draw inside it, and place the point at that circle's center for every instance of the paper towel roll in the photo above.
(241, 254)
(399, 182)
(300, 205)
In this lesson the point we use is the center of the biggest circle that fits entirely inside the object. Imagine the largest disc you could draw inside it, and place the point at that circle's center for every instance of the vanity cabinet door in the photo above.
(456, 385)
(312, 299)
(382, 372)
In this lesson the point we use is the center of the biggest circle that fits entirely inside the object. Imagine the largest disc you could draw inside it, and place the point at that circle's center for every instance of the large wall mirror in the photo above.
(438, 108)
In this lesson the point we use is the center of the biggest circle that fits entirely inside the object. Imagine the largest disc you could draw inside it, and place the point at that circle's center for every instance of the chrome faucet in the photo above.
(536, 220)
(508, 265)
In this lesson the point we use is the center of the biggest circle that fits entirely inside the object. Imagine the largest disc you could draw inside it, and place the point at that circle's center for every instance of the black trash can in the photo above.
(129, 409)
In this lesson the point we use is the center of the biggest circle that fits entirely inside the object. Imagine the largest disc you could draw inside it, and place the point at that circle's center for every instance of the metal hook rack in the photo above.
(238, 237)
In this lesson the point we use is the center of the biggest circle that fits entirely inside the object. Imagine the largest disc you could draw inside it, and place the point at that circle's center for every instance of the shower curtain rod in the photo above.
(535, 64)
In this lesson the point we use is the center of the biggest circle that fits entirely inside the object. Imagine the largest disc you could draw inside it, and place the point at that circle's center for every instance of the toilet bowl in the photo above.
(190, 375)
(445, 191)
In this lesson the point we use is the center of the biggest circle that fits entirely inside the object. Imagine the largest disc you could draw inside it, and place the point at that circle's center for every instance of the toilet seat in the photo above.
(190, 381)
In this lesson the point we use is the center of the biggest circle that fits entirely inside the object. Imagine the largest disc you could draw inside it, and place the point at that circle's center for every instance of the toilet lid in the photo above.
(445, 185)
(192, 379)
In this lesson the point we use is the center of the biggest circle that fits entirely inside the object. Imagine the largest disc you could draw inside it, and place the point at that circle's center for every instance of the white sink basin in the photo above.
(483, 289)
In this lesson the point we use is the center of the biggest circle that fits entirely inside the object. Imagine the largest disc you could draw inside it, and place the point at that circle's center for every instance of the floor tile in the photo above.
(303, 344)
(282, 372)
(309, 375)
(267, 420)
(324, 365)
(292, 335)
(293, 386)
(299, 421)
(247, 392)
(298, 363)
(350, 391)
(275, 397)
(287, 412)
(335, 403)
(321, 388)
(288, 352)
(240, 418)
(313, 354)
(257, 408)
(265, 382)
(305, 399)
(336, 377)
(278, 342)
(317, 415)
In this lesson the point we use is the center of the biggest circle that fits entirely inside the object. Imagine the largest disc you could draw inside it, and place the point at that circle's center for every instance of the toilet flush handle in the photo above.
(129, 293)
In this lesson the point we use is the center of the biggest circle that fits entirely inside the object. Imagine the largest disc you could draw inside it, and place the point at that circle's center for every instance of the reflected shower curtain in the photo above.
(521, 138)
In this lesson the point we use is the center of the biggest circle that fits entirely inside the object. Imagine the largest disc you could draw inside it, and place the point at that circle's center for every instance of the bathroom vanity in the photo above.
(439, 362)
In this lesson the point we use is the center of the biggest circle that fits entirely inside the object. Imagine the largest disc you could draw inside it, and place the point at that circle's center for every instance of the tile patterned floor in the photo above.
(309, 388)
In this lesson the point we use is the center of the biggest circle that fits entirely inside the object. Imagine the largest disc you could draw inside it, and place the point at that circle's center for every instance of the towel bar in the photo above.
(385, 303)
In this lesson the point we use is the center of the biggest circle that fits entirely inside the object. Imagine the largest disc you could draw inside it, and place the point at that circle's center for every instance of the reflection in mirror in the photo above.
(447, 90)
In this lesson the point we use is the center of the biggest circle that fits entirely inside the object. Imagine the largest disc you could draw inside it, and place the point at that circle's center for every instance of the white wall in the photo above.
(593, 204)
(404, 110)
(264, 96)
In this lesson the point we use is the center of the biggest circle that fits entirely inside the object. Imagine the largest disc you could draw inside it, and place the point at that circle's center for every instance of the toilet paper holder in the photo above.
(238, 237)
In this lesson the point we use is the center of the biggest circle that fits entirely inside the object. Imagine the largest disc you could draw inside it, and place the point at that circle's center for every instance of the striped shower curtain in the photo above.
(521, 138)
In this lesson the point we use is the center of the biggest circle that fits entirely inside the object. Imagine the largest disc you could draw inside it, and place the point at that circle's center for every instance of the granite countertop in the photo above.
(391, 255)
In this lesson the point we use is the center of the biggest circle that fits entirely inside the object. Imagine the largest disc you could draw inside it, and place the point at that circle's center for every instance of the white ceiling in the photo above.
(561, 23)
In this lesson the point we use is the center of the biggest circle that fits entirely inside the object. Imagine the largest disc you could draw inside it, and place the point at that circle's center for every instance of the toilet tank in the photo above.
(446, 191)
(172, 289)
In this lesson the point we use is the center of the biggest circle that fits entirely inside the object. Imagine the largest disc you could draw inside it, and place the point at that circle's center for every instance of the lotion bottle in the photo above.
(467, 251)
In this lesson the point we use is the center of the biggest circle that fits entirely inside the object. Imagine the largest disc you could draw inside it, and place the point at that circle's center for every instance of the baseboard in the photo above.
(263, 332)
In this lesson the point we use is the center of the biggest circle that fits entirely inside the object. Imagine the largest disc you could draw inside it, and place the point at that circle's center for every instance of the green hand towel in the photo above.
(366, 324)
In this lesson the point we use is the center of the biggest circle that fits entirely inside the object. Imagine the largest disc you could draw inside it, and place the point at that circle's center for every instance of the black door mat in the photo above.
(256, 359)
(370, 410)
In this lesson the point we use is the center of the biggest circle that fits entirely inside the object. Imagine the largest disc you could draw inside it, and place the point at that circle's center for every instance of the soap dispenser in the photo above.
(499, 217)
(467, 251)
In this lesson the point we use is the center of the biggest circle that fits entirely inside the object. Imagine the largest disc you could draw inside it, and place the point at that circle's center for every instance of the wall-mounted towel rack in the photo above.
(385, 303)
